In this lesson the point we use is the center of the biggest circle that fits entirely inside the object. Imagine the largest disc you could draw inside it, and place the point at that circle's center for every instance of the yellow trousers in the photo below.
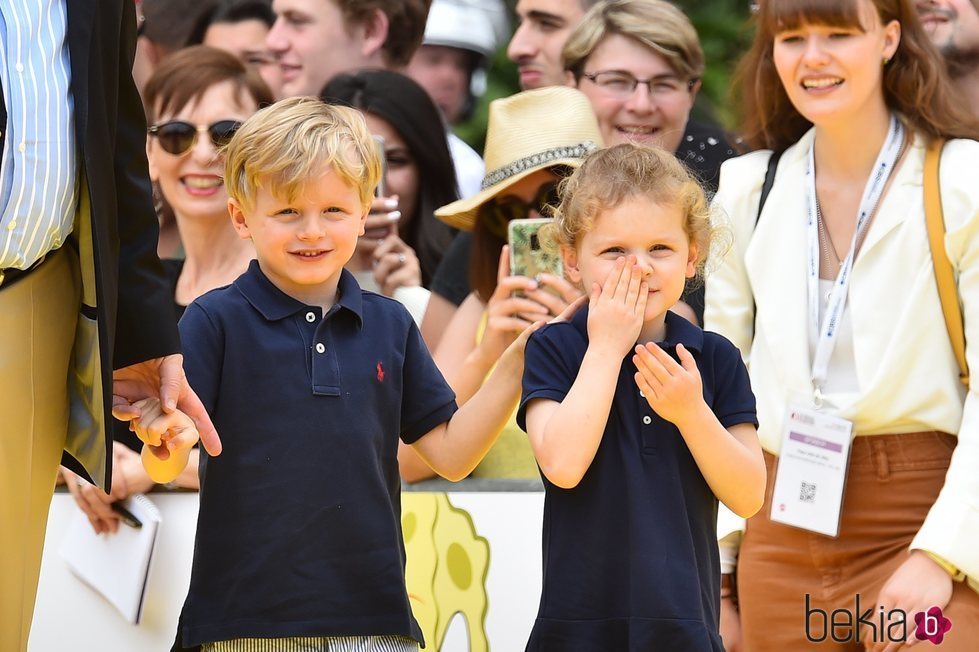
(37, 326)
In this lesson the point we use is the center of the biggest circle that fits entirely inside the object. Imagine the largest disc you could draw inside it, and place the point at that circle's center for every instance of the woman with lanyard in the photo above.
(830, 294)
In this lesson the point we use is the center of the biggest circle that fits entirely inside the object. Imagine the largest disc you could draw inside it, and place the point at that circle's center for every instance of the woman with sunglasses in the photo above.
(195, 101)
(533, 139)
(639, 62)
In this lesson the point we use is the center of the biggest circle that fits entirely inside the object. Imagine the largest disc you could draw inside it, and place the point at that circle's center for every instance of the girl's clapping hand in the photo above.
(672, 389)
(616, 309)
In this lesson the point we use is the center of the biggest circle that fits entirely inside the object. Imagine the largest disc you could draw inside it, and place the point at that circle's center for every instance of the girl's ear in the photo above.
(238, 220)
(692, 260)
(569, 257)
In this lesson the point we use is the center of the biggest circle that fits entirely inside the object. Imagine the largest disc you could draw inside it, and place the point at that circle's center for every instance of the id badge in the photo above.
(811, 473)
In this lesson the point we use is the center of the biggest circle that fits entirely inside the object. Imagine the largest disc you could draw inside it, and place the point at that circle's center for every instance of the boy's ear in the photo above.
(569, 257)
(238, 220)
(363, 220)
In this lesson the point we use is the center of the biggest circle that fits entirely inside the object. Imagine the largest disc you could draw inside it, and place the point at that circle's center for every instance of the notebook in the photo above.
(115, 565)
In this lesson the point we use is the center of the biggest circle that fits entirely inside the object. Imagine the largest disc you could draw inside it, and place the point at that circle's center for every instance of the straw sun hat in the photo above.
(528, 131)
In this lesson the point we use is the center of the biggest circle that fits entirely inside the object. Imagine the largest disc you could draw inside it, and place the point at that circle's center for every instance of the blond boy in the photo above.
(311, 381)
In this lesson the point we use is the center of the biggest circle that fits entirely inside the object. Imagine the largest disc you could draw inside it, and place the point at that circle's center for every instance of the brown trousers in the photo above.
(787, 575)
(37, 329)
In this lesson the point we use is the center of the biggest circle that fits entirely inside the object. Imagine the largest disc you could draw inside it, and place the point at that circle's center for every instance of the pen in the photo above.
(126, 516)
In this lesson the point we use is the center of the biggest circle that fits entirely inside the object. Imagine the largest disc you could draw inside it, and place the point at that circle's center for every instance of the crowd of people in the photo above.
(746, 389)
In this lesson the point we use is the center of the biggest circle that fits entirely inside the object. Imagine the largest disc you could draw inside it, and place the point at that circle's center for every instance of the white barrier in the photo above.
(468, 580)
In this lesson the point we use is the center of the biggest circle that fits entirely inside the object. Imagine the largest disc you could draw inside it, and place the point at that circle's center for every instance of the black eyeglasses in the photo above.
(177, 137)
(497, 213)
(622, 84)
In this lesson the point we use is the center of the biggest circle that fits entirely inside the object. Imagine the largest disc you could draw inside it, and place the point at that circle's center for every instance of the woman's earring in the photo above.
(887, 60)
(157, 198)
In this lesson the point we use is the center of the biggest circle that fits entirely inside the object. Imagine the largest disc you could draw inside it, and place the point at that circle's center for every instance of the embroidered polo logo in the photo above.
(380, 373)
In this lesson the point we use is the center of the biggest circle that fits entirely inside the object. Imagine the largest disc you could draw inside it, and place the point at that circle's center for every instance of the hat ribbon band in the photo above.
(537, 159)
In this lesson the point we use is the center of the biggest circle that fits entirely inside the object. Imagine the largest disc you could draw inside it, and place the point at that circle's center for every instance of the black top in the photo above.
(452, 276)
(630, 555)
(703, 149)
(299, 530)
(172, 268)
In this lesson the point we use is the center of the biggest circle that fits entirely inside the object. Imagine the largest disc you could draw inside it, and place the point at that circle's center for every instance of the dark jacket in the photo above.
(127, 310)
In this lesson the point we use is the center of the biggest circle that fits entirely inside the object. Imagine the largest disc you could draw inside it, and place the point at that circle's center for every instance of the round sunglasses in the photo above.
(497, 213)
(178, 137)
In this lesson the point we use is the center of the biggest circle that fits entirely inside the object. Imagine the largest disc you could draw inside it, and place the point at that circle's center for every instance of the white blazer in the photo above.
(905, 367)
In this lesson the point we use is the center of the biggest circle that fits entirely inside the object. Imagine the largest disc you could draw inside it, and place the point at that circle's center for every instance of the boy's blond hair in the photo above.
(612, 175)
(286, 145)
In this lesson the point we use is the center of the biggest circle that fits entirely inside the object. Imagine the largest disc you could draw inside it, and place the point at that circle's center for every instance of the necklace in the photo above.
(829, 256)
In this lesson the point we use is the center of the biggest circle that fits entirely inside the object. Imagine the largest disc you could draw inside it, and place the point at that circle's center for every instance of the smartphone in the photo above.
(381, 190)
(527, 256)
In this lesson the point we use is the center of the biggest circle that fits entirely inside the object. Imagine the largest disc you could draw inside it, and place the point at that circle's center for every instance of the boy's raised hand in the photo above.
(617, 308)
(162, 431)
(674, 390)
(167, 439)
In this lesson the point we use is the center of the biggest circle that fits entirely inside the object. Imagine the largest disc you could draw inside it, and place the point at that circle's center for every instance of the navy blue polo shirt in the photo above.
(299, 532)
(630, 554)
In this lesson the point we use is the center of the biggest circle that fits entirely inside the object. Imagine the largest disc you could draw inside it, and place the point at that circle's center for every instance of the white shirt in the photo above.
(469, 166)
(39, 165)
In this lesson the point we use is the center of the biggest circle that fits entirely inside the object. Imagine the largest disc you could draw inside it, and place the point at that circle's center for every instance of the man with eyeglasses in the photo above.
(953, 26)
(543, 29)
(81, 289)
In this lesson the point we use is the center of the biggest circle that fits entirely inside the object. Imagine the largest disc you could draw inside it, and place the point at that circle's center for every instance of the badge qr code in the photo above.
(807, 492)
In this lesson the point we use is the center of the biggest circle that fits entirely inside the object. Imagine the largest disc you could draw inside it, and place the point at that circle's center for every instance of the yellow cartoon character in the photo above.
(446, 570)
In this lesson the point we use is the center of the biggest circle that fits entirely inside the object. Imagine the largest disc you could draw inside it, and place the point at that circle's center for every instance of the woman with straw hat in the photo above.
(533, 139)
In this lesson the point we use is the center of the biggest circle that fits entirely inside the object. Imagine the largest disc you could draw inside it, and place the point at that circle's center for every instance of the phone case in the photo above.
(527, 256)
(381, 190)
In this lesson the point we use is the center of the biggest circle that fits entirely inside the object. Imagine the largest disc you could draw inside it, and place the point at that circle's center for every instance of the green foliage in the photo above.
(724, 35)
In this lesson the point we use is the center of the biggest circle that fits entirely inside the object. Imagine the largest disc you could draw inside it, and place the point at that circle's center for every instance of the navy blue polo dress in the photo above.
(299, 531)
(630, 555)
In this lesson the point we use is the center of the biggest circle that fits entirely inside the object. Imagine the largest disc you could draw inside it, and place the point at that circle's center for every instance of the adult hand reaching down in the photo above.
(162, 378)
